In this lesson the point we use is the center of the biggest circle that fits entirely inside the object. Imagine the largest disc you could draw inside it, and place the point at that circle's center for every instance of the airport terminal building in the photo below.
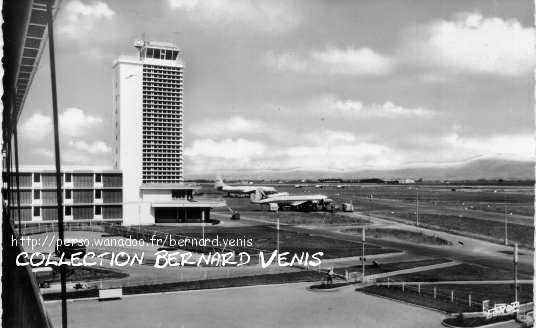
(146, 184)
(88, 193)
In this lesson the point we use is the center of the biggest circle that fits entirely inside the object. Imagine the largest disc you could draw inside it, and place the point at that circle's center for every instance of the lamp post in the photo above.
(515, 271)
(363, 239)
(505, 222)
(417, 211)
(277, 228)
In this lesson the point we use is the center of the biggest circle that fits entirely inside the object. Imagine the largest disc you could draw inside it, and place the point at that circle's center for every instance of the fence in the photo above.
(444, 295)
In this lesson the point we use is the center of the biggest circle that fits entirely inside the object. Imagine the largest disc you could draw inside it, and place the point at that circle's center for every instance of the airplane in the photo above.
(298, 202)
(240, 190)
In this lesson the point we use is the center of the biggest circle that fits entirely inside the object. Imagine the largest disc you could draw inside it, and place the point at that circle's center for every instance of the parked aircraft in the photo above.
(296, 202)
(240, 190)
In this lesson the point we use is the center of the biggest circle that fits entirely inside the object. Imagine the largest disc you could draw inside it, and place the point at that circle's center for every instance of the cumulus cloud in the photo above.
(235, 149)
(95, 147)
(271, 16)
(332, 106)
(36, 127)
(78, 18)
(517, 146)
(329, 137)
(336, 61)
(236, 125)
(476, 44)
(75, 125)
(75, 122)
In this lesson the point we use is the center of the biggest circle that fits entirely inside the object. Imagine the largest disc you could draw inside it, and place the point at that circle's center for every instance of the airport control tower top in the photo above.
(157, 50)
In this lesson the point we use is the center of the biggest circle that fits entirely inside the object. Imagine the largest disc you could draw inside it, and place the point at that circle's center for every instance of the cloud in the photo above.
(363, 61)
(338, 150)
(78, 18)
(329, 137)
(74, 122)
(95, 147)
(236, 125)
(476, 44)
(331, 106)
(36, 127)
(516, 146)
(236, 149)
(269, 16)
(334, 61)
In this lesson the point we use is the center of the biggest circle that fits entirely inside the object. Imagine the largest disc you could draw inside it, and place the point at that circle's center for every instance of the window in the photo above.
(68, 211)
(37, 194)
(37, 177)
(97, 194)
(156, 53)
(37, 211)
(68, 194)
(97, 210)
(98, 177)
(68, 177)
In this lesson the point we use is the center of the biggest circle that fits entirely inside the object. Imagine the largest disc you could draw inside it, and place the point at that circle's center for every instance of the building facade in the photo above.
(148, 115)
(88, 194)
(146, 185)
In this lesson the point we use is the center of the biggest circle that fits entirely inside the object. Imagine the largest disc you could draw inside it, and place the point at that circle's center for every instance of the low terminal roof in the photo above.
(169, 186)
(204, 203)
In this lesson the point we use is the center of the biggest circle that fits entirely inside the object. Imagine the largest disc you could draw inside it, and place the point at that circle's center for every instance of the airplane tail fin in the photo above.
(218, 183)
(257, 195)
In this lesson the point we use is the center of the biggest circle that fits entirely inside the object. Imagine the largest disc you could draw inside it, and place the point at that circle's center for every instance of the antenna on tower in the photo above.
(140, 43)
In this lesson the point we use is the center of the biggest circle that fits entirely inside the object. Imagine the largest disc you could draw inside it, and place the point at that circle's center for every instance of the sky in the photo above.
(302, 85)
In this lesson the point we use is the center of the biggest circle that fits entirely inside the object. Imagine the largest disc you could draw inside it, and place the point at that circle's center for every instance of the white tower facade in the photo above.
(148, 114)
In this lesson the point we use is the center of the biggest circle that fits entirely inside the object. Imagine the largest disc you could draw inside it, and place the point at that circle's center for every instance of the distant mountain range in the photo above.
(481, 168)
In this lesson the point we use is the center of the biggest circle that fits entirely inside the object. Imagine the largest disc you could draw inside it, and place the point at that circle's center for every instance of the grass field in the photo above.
(494, 293)
(389, 267)
(474, 210)
(409, 236)
(276, 278)
(264, 237)
(311, 218)
(464, 272)
(75, 274)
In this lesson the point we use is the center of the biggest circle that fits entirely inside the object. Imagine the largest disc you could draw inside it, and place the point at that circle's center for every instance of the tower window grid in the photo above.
(162, 124)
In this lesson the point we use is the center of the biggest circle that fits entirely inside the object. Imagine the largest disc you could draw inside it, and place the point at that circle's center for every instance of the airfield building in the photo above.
(148, 115)
(146, 184)
(89, 193)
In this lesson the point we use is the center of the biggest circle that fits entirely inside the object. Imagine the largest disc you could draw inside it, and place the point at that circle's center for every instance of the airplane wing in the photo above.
(299, 202)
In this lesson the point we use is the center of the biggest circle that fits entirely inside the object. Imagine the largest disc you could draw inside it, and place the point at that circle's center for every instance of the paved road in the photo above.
(291, 305)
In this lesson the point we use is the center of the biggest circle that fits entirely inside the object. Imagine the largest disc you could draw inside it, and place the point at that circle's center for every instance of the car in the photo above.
(43, 276)
(235, 216)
